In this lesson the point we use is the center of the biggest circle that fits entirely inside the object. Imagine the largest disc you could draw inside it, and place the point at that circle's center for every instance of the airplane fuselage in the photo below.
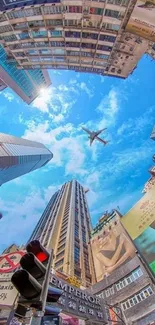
(93, 135)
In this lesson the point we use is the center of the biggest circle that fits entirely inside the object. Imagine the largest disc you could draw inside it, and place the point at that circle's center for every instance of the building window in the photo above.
(59, 262)
(75, 9)
(104, 48)
(96, 11)
(77, 273)
(107, 38)
(76, 255)
(60, 255)
(84, 236)
(39, 34)
(137, 298)
(133, 276)
(90, 35)
(112, 13)
(61, 247)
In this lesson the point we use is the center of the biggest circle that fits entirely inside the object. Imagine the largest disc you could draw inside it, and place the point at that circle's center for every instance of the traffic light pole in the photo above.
(47, 280)
(37, 317)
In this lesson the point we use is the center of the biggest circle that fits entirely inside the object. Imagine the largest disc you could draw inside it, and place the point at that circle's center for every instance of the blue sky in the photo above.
(114, 174)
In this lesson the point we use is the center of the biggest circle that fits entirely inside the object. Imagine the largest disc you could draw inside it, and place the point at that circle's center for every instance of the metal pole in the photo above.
(37, 317)
(111, 306)
(10, 317)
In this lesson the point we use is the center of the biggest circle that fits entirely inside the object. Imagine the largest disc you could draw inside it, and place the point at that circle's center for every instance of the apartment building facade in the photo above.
(82, 35)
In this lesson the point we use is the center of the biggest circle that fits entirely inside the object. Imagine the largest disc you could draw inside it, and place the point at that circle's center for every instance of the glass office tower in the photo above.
(20, 156)
(27, 84)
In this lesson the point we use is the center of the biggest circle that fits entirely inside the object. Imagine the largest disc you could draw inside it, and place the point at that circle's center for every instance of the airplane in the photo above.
(94, 135)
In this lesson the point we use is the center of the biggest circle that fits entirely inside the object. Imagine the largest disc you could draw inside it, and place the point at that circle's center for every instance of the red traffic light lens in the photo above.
(42, 256)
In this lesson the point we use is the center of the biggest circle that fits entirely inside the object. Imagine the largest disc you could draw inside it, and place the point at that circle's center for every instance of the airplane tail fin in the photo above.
(91, 141)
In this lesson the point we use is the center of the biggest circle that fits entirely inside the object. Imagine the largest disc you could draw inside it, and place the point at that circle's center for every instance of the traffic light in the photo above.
(32, 280)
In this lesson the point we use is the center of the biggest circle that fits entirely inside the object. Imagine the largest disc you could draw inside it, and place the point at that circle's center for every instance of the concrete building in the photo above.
(27, 84)
(85, 36)
(151, 182)
(128, 289)
(2, 85)
(20, 156)
(65, 226)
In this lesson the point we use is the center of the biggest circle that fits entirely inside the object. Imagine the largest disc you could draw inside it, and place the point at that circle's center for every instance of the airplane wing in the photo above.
(85, 129)
(101, 140)
(100, 131)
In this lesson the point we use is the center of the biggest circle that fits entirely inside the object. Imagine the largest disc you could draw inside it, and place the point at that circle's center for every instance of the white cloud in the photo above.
(42, 102)
(109, 104)
(93, 178)
(134, 127)
(85, 88)
(9, 96)
(25, 211)
(69, 151)
(107, 111)
(57, 118)
(57, 102)
(50, 190)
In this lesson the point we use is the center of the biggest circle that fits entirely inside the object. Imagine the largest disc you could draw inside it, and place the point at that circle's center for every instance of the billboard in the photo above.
(142, 20)
(111, 247)
(140, 224)
(10, 4)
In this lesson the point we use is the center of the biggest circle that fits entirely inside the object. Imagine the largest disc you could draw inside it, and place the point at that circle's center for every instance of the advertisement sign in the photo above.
(9, 4)
(68, 320)
(111, 248)
(142, 20)
(8, 294)
(10, 262)
(140, 224)
(79, 303)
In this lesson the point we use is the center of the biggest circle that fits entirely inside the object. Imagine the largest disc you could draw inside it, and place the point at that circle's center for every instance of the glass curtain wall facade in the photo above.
(20, 156)
(65, 226)
(27, 84)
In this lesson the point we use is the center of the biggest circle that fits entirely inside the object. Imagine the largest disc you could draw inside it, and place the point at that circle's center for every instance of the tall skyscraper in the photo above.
(65, 226)
(27, 84)
(20, 156)
(85, 36)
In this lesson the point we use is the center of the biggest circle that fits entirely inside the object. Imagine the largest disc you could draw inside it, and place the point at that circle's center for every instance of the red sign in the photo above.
(10, 262)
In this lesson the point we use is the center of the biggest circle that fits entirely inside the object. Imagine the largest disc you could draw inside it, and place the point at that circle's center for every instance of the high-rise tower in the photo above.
(20, 156)
(26, 84)
(65, 226)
